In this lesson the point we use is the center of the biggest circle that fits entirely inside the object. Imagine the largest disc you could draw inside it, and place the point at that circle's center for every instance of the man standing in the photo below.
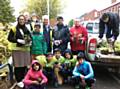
(47, 32)
(110, 22)
(78, 37)
(60, 35)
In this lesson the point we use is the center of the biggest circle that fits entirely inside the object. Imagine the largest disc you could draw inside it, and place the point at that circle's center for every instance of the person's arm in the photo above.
(27, 80)
(44, 46)
(85, 35)
(66, 37)
(91, 73)
(71, 34)
(116, 26)
(76, 73)
(44, 78)
(11, 37)
(101, 29)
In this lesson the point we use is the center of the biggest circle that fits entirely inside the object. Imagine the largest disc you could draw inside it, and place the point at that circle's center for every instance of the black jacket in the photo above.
(61, 32)
(112, 26)
(14, 35)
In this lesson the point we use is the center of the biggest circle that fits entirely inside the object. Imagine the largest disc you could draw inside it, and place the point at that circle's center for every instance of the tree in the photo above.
(40, 7)
(6, 12)
(71, 22)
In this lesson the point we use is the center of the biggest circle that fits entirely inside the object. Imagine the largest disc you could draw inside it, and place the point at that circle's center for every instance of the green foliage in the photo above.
(6, 12)
(4, 46)
(40, 7)
(71, 23)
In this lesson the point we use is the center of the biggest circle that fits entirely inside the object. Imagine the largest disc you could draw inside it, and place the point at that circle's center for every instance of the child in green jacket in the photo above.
(68, 65)
(59, 60)
(39, 46)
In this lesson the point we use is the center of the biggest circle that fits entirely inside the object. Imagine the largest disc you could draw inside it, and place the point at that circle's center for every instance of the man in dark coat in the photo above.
(61, 35)
(109, 23)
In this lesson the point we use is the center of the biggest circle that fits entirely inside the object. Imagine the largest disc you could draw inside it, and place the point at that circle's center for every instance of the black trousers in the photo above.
(20, 73)
(77, 80)
(76, 52)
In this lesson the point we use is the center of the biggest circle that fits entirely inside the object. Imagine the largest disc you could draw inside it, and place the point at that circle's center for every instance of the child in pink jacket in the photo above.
(35, 79)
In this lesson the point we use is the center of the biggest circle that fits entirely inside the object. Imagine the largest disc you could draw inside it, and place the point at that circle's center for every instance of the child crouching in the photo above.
(34, 78)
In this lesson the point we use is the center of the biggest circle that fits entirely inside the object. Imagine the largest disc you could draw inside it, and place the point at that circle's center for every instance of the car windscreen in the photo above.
(89, 27)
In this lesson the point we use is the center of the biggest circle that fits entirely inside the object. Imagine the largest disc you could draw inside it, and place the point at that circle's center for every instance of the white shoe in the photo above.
(20, 84)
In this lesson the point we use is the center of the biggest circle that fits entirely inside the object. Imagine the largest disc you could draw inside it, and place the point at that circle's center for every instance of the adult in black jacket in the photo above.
(61, 35)
(21, 36)
(109, 23)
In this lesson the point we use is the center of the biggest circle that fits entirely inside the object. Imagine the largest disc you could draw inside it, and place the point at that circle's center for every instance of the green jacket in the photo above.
(72, 62)
(39, 45)
(51, 63)
(61, 60)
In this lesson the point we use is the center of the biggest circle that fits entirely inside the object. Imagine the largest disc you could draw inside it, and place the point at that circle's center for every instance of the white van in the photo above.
(92, 26)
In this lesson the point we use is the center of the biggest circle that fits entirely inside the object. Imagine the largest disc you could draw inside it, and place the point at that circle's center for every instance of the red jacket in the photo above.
(77, 33)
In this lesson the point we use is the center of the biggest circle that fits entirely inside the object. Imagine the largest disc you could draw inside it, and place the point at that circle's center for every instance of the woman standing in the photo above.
(20, 37)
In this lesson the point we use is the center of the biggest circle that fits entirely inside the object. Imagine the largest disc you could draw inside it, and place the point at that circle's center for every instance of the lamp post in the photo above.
(48, 10)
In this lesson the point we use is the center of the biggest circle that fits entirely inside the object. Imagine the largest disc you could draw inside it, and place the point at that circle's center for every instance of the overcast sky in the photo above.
(74, 8)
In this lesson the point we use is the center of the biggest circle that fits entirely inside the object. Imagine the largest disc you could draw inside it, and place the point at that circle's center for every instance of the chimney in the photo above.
(113, 1)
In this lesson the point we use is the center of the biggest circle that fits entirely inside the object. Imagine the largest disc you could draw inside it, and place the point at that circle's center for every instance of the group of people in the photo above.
(45, 48)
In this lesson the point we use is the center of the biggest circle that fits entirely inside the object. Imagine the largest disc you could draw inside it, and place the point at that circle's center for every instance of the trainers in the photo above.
(77, 86)
(56, 85)
(20, 84)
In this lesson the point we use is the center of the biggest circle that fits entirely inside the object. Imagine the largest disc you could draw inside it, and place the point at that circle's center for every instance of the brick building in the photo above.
(94, 14)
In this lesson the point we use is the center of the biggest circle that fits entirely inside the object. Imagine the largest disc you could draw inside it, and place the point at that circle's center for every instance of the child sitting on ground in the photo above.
(68, 65)
(34, 78)
(57, 67)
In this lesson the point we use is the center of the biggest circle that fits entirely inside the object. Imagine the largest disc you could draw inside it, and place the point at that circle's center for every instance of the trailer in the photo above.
(95, 56)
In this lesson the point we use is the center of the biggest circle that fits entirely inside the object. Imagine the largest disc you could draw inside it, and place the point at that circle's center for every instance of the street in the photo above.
(104, 80)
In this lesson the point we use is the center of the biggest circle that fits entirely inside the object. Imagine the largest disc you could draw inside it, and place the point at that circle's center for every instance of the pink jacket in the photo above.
(34, 75)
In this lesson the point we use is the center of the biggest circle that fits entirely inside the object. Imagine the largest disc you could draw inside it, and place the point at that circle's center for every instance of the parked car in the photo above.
(92, 26)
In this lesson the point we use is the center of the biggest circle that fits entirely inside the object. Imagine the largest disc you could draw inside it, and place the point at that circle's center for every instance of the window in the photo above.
(89, 26)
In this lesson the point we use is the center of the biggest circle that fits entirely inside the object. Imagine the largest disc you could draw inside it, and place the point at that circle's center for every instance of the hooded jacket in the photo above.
(72, 60)
(39, 46)
(34, 75)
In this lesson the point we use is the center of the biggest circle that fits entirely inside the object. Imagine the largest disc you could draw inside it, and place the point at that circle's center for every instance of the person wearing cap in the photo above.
(47, 31)
(60, 35)
(83, 72)
(39, 47)
(78, 37)
(109, 23)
